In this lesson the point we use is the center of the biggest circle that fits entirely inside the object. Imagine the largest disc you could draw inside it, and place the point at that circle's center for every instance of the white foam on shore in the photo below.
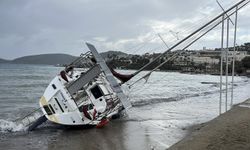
(195, 103)
(9, 126)
(245, 106)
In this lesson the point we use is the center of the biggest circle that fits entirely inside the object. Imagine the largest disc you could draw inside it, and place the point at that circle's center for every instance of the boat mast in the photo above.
(235, 34)
(193, 33)
(213, 24)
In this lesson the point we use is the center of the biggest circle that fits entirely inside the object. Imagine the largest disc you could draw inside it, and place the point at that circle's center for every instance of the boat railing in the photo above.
(30, 118)
(83, 61)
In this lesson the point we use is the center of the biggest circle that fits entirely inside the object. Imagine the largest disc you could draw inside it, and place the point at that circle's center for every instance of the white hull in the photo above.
(88, 97)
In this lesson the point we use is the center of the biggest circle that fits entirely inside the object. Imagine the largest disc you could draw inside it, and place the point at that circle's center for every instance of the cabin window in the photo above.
(51, 108)
(48, 111)
(54, 87)
(96, 91)
(59, 104)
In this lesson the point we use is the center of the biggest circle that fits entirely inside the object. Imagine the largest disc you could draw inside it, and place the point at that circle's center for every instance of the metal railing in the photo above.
(30, 118)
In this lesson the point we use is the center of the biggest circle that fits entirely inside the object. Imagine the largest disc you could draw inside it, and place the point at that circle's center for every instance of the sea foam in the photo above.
(10, 126)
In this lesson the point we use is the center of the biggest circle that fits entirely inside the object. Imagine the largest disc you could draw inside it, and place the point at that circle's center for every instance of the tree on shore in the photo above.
(246, 62)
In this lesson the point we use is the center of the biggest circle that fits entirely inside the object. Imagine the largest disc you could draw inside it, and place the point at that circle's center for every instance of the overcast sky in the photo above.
(30, 27)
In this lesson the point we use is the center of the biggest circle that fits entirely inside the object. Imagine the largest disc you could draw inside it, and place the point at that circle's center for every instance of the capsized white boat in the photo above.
(85, 93)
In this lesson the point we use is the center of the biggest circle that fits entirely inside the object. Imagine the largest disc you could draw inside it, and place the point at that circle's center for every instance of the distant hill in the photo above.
(54, 59)
(110, 53)
(3, 61)
(48, 59)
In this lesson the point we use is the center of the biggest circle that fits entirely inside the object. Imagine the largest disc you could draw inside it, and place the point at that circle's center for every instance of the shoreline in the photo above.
(228, 131)
(179, 71)
(192, 72)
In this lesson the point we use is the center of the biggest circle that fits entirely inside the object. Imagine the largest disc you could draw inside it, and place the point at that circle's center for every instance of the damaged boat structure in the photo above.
(90, 95)
(84, 93)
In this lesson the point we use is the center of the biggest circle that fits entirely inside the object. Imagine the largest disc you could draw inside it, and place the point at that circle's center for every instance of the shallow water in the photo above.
(162, 110)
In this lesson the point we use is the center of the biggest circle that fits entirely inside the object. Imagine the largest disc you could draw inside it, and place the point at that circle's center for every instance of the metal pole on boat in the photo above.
(235, 34)
(221, 61)
(222, 21)
(190, 35)
(172, 57)
(224, 11)
(227, 49)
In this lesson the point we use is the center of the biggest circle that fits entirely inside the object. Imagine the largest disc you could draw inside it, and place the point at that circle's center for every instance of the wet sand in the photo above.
(117, 135)
(230, 131)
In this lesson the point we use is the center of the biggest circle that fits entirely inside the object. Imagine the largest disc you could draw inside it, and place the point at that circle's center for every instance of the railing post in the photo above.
(221, 62)
(227, 49)
(233, 66)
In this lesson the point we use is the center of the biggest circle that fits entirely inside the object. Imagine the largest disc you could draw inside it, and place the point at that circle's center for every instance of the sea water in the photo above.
(163, 107)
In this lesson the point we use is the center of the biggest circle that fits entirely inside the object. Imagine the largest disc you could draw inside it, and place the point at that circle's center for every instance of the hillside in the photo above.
(54, 59)
(112, 53)
(3, 61)
(48, 59)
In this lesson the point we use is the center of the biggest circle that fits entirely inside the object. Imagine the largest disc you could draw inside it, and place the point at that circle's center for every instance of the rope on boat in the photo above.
(208, 26)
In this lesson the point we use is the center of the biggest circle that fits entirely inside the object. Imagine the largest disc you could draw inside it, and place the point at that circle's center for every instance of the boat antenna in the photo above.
(163, 40)
(175, 34)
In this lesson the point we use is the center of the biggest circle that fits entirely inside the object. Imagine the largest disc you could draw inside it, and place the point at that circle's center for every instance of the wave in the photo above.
(155, 100)
(26, 77)
(10, 126)
(149, 101)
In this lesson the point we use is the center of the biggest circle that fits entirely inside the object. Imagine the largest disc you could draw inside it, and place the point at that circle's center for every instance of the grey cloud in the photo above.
(43, 26)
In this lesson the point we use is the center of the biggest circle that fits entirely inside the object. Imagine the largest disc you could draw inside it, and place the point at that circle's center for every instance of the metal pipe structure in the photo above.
(224, 11)
(221, 62)
(190, 35)
(175, 55)
(211, 28)
(233, 66)
(227, 49)
(163, 41)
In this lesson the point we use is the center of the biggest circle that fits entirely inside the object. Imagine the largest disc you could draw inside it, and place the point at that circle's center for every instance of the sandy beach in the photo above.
(117, 135)
(230, 131)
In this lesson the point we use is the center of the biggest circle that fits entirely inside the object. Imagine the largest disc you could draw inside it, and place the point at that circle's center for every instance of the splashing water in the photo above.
(9, 126)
